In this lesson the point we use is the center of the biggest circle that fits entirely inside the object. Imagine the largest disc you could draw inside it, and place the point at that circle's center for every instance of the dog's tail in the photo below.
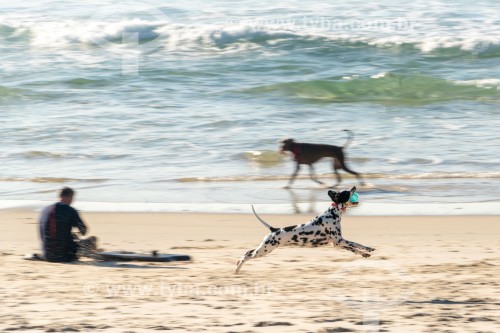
(349, 138)
(264, 222)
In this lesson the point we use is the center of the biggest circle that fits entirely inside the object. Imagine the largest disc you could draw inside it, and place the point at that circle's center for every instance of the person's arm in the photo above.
(42, 220)
(78, 222)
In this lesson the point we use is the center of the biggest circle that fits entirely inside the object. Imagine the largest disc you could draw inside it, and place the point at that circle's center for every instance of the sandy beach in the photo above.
(169, 119)
(429, 274)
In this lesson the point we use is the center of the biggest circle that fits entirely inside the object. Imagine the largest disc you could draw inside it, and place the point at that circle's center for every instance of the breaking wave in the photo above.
(220, 36)
(386, 88)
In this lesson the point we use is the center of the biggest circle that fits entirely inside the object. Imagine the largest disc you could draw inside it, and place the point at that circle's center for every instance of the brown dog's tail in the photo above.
(349, 138)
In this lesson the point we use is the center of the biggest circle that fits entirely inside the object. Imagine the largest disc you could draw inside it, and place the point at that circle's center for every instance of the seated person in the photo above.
(56, 224)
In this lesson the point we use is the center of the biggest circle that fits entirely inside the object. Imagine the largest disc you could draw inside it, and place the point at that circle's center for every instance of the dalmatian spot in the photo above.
(319, 241)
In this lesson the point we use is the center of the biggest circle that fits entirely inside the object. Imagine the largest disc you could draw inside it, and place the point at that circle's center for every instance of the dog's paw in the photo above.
(366, 255)
(370, 249)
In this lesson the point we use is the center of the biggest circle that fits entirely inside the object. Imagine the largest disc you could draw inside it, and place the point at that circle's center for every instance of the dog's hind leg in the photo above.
(267, 245)
(247, 256)
(336, 166)
(339, 163)
(346, 168)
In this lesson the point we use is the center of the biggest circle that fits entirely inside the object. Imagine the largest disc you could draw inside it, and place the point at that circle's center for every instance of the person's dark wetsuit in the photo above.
(56, 222)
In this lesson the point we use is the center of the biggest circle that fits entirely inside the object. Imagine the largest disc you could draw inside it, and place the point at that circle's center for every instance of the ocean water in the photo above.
(180, 105)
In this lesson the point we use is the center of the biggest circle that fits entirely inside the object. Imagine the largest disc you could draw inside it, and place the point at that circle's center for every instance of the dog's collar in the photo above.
(342, 208)
(296, 151)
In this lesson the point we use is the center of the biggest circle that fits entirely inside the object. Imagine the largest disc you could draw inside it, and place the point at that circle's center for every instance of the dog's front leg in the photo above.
(354, 247)
(293, 176)
(361, 247)
(312, 174)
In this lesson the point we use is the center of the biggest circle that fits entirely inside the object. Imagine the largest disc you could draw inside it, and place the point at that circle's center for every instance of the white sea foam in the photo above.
(427, 35)
(482, 83)
(378, 76)
(68, 32)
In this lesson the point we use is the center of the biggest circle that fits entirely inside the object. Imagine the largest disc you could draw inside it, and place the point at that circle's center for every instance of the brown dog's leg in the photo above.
(312, 174)
(336, 166)
(358, 176)
(341, 163)
(293, 176)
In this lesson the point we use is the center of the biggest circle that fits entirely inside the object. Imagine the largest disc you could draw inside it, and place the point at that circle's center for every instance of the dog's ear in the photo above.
(332, 195)
(287, 144)
(344, 196)
(353, 189)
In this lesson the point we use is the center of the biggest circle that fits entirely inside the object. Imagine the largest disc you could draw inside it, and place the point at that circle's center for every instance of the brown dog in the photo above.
(310, 153)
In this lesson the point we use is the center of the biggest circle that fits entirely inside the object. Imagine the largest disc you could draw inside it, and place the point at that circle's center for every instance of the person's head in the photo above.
(67, 195)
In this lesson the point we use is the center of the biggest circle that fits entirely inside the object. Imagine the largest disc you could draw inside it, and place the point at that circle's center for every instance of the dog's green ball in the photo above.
(354, 197)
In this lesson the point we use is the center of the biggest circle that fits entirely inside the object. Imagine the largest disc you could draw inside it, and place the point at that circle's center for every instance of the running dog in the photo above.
(321, 230)
(310, 153)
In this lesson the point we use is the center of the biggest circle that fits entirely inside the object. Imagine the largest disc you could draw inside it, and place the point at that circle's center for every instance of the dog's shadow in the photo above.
(451, 302)
(296, 201)
(301, 204)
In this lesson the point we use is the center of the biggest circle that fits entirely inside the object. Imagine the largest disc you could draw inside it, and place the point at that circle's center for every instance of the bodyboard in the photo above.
(134, 256)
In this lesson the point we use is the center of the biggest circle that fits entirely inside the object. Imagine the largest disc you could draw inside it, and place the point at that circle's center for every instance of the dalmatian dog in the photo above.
(322, 230)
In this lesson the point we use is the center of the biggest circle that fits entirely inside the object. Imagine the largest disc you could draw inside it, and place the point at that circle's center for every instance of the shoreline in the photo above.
(364, 209)
(470, 197)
